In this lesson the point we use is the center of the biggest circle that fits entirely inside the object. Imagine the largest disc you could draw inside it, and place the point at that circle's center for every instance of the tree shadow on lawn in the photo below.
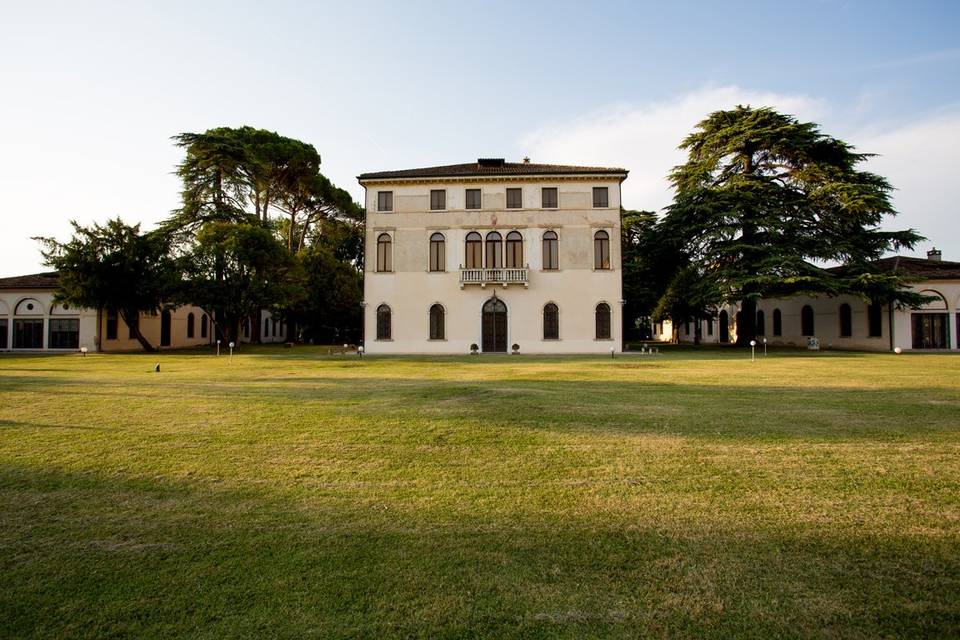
(85, 554)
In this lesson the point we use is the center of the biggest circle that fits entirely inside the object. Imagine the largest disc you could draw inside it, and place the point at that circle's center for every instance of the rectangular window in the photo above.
(111, 325)
(28, 334)
(875, 320)
(549, 195)
(4, 328)
(438, 199)
(384, 200)
(930, 331)
(601, 197)
(473, 199)
(514, 198)
(64, 333)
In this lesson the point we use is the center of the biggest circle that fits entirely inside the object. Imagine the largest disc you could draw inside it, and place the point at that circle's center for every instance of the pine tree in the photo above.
(765, 201)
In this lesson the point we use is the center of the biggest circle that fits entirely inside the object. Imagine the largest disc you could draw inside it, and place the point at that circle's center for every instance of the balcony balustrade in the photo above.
(502, 276)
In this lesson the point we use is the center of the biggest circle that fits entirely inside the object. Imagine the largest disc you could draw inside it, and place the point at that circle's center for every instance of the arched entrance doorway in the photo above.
(724, 327)
(494, 326)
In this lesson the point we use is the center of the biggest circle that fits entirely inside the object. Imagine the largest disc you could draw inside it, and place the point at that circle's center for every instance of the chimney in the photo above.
(934, 254)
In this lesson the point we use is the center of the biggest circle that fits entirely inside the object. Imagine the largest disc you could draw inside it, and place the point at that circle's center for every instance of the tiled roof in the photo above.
(47, 280)
(921, 268)
(492, 167)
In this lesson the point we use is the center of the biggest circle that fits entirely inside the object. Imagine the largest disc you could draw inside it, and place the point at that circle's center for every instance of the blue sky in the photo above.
(92, 93)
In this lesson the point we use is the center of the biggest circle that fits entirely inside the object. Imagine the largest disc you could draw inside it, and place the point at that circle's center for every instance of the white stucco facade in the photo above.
(416, 281)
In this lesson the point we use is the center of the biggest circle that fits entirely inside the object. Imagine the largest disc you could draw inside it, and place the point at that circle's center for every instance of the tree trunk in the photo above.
(746, 322)
(133, 321)
(303, 234)
(290, 231)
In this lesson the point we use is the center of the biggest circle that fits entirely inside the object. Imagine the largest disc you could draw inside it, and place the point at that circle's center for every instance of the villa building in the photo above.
(847, 322)
(493, 254)
(31, 321)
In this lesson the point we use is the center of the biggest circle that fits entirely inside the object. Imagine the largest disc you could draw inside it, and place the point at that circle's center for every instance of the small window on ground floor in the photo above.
(384, 322)
(875, 320)
(806, 320)
(64, 333)
(28, 333)
(551, 322)
(930, 331)
(111, 325)
(437, 329)
(846, 321)
(603, 321)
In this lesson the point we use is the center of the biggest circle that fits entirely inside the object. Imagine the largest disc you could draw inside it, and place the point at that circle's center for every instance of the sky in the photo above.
(91, 93)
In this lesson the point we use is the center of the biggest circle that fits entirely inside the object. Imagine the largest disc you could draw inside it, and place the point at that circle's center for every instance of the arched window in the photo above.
(603, 321)
(761, 328)
(384, 252)
(266, 328)
(724, 327)
(601, 250)
(551, 322)
(190, 320)
(203, 326)
(846, 321)
(383, 322)
(474, 251)
(777, 322)
(437, 330)
(551, 250)
(494, 250)
(165, 327)
(806, 320)
(514, 250)
(438, 257)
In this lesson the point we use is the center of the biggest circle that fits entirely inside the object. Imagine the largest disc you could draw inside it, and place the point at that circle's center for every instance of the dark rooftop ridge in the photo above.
(920, 268)
(493, 167)
(45, 280)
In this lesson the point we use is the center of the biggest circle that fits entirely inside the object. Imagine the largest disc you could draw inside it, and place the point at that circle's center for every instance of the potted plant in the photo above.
(473, 349)
(516, 348)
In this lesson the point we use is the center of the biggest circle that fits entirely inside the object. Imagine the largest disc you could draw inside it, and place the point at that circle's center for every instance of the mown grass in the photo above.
(694, 494)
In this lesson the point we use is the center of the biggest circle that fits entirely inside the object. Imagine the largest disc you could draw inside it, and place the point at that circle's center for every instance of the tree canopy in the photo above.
(113, 267)
(235, 270)
(765, 201)
(244, 174)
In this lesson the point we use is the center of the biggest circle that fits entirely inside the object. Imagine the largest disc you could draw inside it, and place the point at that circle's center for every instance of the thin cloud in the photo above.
(932, 57)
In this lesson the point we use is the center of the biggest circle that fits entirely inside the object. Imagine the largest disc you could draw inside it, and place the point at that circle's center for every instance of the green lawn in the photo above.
(694, 494)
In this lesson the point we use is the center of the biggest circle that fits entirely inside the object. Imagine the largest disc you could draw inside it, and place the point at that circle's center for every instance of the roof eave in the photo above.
(364, 179)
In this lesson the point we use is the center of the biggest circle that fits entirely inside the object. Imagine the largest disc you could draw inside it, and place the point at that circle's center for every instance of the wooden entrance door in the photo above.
(494, 326)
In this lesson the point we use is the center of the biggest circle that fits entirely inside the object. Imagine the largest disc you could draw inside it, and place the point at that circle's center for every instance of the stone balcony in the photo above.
(503, 277)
